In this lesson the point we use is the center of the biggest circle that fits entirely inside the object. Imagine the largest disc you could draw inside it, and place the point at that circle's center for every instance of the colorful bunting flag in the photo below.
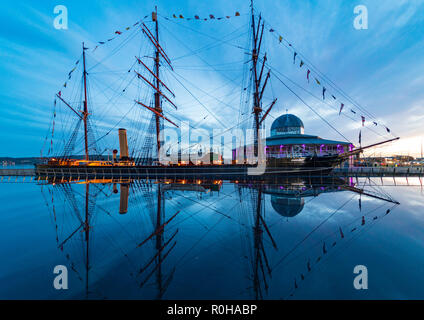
(341, 108)
(323, 92)
(280, 38)
(181, 16)
(307, 74)
(341, 233)
(363, 120)
(301, 63)
(271, 30)
(375, 123)
(363, 221)
(118, 32)
(334, 97)
(319, 83)
(353, 111)
(294, 57)
(196, 17)
(388, 130)
(360, 137)
(211, 16)
(70, 72)
(237, 14)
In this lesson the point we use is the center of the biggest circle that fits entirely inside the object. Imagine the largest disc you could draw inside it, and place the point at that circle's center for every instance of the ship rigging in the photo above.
(150, 154)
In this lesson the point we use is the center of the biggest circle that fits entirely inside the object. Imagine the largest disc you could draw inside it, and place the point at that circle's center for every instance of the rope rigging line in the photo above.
(206, 108)
(117, 48)
(205, 61)
(313, 68)
(320, 99)
(345, 244)
(209, 36)
(304, 102)
(311, 232)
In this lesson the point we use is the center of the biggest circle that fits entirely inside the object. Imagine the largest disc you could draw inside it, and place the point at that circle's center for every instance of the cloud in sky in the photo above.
(382, 68)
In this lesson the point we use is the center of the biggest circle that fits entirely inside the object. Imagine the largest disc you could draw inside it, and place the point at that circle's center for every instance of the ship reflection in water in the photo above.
(197, 239)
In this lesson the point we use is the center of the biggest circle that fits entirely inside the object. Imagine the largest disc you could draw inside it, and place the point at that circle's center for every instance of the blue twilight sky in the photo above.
(381, 68)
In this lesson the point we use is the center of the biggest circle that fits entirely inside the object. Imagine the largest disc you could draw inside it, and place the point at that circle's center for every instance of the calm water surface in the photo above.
(212, 240)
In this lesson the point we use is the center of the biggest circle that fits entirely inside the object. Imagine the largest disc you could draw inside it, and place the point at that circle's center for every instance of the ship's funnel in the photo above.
(115, 152)
(123, 204)
(123, 144)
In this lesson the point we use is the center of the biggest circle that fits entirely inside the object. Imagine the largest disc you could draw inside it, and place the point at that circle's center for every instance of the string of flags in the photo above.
(69, 77)
(326, 249)
(302, 63)
(197, 17)
(118, 33)
(100, 43)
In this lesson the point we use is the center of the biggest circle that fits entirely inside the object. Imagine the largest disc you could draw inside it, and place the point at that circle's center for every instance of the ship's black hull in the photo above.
(308, 166)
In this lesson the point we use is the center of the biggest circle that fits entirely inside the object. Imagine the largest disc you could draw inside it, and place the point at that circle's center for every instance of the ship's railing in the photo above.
(297, 154)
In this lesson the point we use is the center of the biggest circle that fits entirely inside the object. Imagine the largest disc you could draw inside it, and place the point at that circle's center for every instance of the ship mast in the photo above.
(258, 87)
(157, 84)
(85, 112)
(158, 107)
(256, 104)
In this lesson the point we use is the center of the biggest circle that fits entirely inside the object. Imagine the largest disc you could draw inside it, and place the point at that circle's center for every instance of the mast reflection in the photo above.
(155, 241)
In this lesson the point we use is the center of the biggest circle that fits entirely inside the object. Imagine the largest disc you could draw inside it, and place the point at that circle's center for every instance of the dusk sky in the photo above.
(381, 68)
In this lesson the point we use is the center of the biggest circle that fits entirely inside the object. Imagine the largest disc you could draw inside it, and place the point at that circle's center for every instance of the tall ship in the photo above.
(147, 153)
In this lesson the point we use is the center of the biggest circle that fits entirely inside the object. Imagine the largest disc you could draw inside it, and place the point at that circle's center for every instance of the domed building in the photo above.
(287, 206)
(287, 124)
(288, 140)
(288, 146)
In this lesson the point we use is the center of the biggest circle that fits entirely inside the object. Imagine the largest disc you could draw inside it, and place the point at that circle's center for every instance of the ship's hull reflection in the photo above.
(157, 238)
